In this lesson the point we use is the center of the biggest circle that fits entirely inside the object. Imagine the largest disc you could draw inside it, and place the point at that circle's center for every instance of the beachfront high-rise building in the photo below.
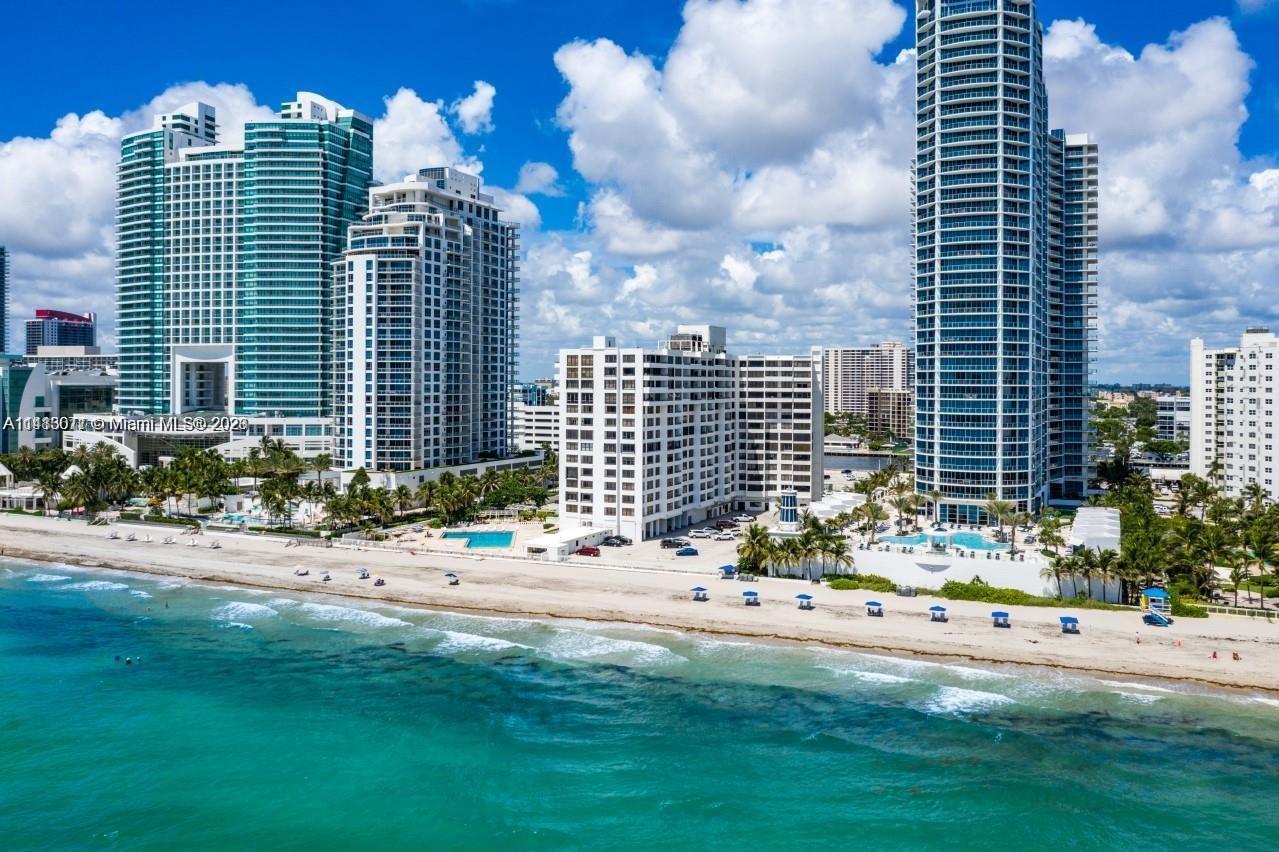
(851, 371)
(653, 440)
(60, 328)
(1234, 412)
(425, 316)
(1004, 272)
(224, 258)
(4, 300)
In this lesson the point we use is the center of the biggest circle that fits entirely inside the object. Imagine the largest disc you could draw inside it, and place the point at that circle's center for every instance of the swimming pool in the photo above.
(918, 538)
(490, 538)
(966, 540)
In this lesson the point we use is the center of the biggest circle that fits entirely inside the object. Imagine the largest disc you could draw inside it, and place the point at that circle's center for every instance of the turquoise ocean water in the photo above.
(266, 721)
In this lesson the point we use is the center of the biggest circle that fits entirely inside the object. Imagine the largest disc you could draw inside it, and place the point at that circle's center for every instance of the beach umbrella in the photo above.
(749, 593)
(937, 609)
(1069, 619)
(450, 575)
(803, 597)
(999, 615)
(873, 603)
(697, 589)
(728, 568)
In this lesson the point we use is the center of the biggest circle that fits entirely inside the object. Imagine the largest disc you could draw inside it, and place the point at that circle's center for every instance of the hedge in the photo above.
(872, 582)
(980, 591)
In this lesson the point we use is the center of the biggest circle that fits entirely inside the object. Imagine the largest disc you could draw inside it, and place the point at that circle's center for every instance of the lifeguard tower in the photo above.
(1156, 607)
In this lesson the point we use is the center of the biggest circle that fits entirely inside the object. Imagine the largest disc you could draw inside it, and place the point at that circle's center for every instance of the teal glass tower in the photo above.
(223, 260)
(1002, 325)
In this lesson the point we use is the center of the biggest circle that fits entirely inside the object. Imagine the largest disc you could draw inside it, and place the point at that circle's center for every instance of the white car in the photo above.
(701, 533)
(744, 519)
(725, 536)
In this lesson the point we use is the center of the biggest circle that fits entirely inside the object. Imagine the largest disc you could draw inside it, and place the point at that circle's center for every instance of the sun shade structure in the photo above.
(874, 608)
(805, 601)
(699, 594)
(1069, 624)
(1000, 619)
(937, 613)
(751, 596)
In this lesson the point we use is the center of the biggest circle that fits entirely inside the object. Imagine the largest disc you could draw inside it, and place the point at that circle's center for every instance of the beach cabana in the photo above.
(751, 597)
(805, 601)
(452, 578)
(727, 572)
(1000, 619)
(937, 613)
(1069, 624)
(699, 594)
(875, 608)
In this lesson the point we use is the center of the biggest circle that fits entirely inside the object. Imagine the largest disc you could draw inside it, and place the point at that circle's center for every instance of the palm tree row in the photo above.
(817, 547)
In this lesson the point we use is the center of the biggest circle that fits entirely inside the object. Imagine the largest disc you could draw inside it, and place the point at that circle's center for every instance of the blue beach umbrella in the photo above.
(450, 575)
(874, 603)
(1069, 619)
(937, 609)
(749, 593)
(697, 589)
(803, 597)
(999, 615)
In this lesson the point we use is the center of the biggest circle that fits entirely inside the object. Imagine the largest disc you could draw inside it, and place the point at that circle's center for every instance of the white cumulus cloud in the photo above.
(475, 111)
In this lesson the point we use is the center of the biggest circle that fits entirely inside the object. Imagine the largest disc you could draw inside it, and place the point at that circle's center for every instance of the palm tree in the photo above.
(935, 496)
(1107, 562)
(320, 463)
(48, 486)
(359, 481)
(874, 514)
(1264, 544)
(403, 498)
(792, 553)
(1238, 575)
(426, 494)
(1015, 520)
(1086, 566)
(1057, 565)
(903, 503)
(753, 549)
(835, 551)
(999, 510)
(1050, 526)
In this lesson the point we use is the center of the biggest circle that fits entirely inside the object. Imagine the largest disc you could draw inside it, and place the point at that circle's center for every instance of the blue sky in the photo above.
(636, 114)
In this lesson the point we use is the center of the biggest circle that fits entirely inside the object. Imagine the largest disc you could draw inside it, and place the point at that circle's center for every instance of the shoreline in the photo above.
(566, 591)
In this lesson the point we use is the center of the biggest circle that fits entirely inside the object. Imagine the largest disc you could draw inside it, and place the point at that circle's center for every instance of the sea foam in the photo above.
(239, 611)
(94, 586)
(350, 615)
(577, 645)
(954, 700)
(47, 578)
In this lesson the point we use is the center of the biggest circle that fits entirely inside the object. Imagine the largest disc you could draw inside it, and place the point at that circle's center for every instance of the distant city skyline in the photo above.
(647, 196)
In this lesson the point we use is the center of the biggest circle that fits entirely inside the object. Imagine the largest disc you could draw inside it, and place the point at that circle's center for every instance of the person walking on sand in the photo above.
(1138, 637)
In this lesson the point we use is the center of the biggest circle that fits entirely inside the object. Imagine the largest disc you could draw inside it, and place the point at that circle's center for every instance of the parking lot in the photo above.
(711, 554)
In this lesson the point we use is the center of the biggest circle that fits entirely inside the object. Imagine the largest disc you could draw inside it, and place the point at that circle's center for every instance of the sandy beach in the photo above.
(492, 584)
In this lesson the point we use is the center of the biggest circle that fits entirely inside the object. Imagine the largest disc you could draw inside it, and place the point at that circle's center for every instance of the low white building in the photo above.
(1234, 397)
(654, 440)
(1095, 528)
(535, 426)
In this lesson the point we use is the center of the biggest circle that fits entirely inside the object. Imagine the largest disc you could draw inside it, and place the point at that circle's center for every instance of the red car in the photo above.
(587, 551)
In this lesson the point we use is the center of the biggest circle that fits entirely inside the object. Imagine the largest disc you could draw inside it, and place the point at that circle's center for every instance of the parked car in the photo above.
(725, 536)
(744, 519)
(725, 524)
(669, 543)
(705, 532)
(617, 541)
(686, 551)
(587, 551)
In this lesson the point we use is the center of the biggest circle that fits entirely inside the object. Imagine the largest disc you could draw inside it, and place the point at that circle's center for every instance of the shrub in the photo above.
(872, 582)
(1186, 610)
(980, 591)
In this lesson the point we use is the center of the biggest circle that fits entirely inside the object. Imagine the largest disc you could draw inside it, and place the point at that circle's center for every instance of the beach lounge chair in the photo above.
(215, 545)
(113, 535)
(131, 537)
(699, 594)
(805, 601)
(1069, 624)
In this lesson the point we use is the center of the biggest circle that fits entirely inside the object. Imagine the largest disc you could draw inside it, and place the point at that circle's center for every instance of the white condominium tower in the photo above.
(425, 320)
(223, 258)
(851, 371)
(653, 440)
(1005, 266)
(1234, 400)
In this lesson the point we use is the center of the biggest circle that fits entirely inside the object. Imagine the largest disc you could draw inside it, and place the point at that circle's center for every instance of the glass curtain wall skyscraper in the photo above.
(993, 322)
(426, 320)
(4, 300)
(224, 254)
